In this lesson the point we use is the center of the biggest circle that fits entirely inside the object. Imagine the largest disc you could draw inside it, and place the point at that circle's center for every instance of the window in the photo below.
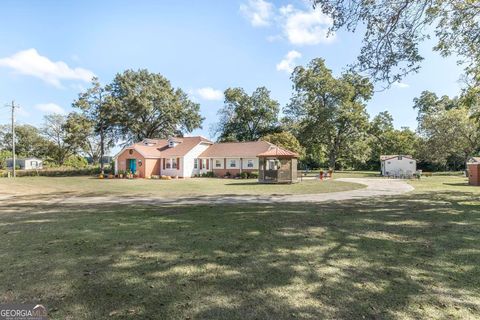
(218, 164)
(168, 164)
(174, 163)
(249, 163)
(388, 162)
(411, 162)
(195, 163)
(400, 158)
(233, 163)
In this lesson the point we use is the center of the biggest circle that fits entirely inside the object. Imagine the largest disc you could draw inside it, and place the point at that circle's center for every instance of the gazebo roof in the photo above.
(278, 152)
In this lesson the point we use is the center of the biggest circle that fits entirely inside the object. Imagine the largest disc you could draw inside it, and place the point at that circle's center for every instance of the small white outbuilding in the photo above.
(26, 163)
(398, 165)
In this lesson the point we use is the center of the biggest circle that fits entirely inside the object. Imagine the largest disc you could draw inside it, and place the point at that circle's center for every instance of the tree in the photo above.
(449, 133)
(385, 139)
(144, 105)
(429, 102)
(93, 130)
(81, 135)
(330, 112)
(394, 30)
(285, 140)
(28, 140)
(247, 118)
(54, 130)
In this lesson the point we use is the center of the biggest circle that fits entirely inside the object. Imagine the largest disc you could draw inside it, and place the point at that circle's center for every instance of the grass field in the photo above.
(171, 188)
(415, 256)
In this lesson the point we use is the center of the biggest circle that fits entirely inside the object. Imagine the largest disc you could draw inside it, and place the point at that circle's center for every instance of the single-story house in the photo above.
(26, 163)
(396, 165)
(190, 156)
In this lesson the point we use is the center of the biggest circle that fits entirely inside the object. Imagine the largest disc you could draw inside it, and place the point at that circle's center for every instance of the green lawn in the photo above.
(164, 188)
(415, 256)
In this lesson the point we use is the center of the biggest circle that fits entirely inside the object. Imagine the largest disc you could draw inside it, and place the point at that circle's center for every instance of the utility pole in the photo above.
(14, 164)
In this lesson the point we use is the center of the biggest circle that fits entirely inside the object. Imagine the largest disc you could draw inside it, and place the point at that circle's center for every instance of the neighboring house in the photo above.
(26, 163)
(190, 156)
(397, 165)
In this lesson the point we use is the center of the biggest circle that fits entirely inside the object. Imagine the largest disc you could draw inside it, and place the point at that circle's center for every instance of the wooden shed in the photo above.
(473, 173)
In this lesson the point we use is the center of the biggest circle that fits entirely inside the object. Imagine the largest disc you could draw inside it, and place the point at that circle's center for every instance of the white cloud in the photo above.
(208, 93)
(401, 85)
(306, 27)
(288, 63)
(50, 108)
(30, 62)
(258, 12)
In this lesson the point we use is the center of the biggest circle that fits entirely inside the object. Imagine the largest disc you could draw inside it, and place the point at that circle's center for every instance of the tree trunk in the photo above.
(332, 160)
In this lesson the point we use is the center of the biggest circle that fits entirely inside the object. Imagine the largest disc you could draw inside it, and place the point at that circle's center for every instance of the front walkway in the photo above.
(374, 188)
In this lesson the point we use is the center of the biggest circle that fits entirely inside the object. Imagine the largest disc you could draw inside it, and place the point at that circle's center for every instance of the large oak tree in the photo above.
(329, 113)
(145, 105)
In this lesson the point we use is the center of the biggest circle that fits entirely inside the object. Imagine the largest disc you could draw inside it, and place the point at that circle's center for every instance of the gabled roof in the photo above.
(275, 151)
(473, 160)
(388, 157)
(236, 149)
(158, 148)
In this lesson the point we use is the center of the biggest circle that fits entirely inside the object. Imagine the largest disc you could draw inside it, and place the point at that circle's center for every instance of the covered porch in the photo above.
(277, 165)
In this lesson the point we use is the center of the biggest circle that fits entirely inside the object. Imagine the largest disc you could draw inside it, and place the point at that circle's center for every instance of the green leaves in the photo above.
(329, 113)
(145, 105)
(247, 118)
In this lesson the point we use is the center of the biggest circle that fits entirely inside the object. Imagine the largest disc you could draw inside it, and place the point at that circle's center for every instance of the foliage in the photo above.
(385, 139)
(145, 105)
(247, 118)
(393, 31)
(449, 133)
(4, 155)
(76, 162)
(28, 141)
(330, 112)
(92, 131)
(54, 130)
(285, 140)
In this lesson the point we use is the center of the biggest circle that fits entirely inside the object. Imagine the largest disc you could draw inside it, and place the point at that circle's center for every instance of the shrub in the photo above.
(56, 172)
(253, 175)
(244, 175)
(228, 174)
(76, 162)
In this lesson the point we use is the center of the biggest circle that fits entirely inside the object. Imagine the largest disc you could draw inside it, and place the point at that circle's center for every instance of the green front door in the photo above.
(132, 165)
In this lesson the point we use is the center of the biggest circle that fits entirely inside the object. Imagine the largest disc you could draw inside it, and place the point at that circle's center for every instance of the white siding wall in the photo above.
(188, 170)
(172, 172)
(394, 165)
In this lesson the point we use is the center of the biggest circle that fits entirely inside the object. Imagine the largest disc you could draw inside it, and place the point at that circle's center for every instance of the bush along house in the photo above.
(193, 156)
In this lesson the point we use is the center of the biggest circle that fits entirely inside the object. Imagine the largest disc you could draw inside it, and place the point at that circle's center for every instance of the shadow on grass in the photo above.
(413, 257)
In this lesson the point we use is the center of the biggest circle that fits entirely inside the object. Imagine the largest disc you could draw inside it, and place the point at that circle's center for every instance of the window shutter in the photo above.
(163, 163)
(178, 163)
(208, 160)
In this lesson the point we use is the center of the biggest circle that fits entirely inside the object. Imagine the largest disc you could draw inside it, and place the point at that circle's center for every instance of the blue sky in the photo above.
(49, 50)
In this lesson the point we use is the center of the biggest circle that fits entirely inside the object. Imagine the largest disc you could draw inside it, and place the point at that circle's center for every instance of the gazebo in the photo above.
(277, 165)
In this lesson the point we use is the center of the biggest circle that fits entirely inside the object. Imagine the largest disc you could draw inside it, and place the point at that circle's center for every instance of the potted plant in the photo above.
(121, 174)
(330, 173)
